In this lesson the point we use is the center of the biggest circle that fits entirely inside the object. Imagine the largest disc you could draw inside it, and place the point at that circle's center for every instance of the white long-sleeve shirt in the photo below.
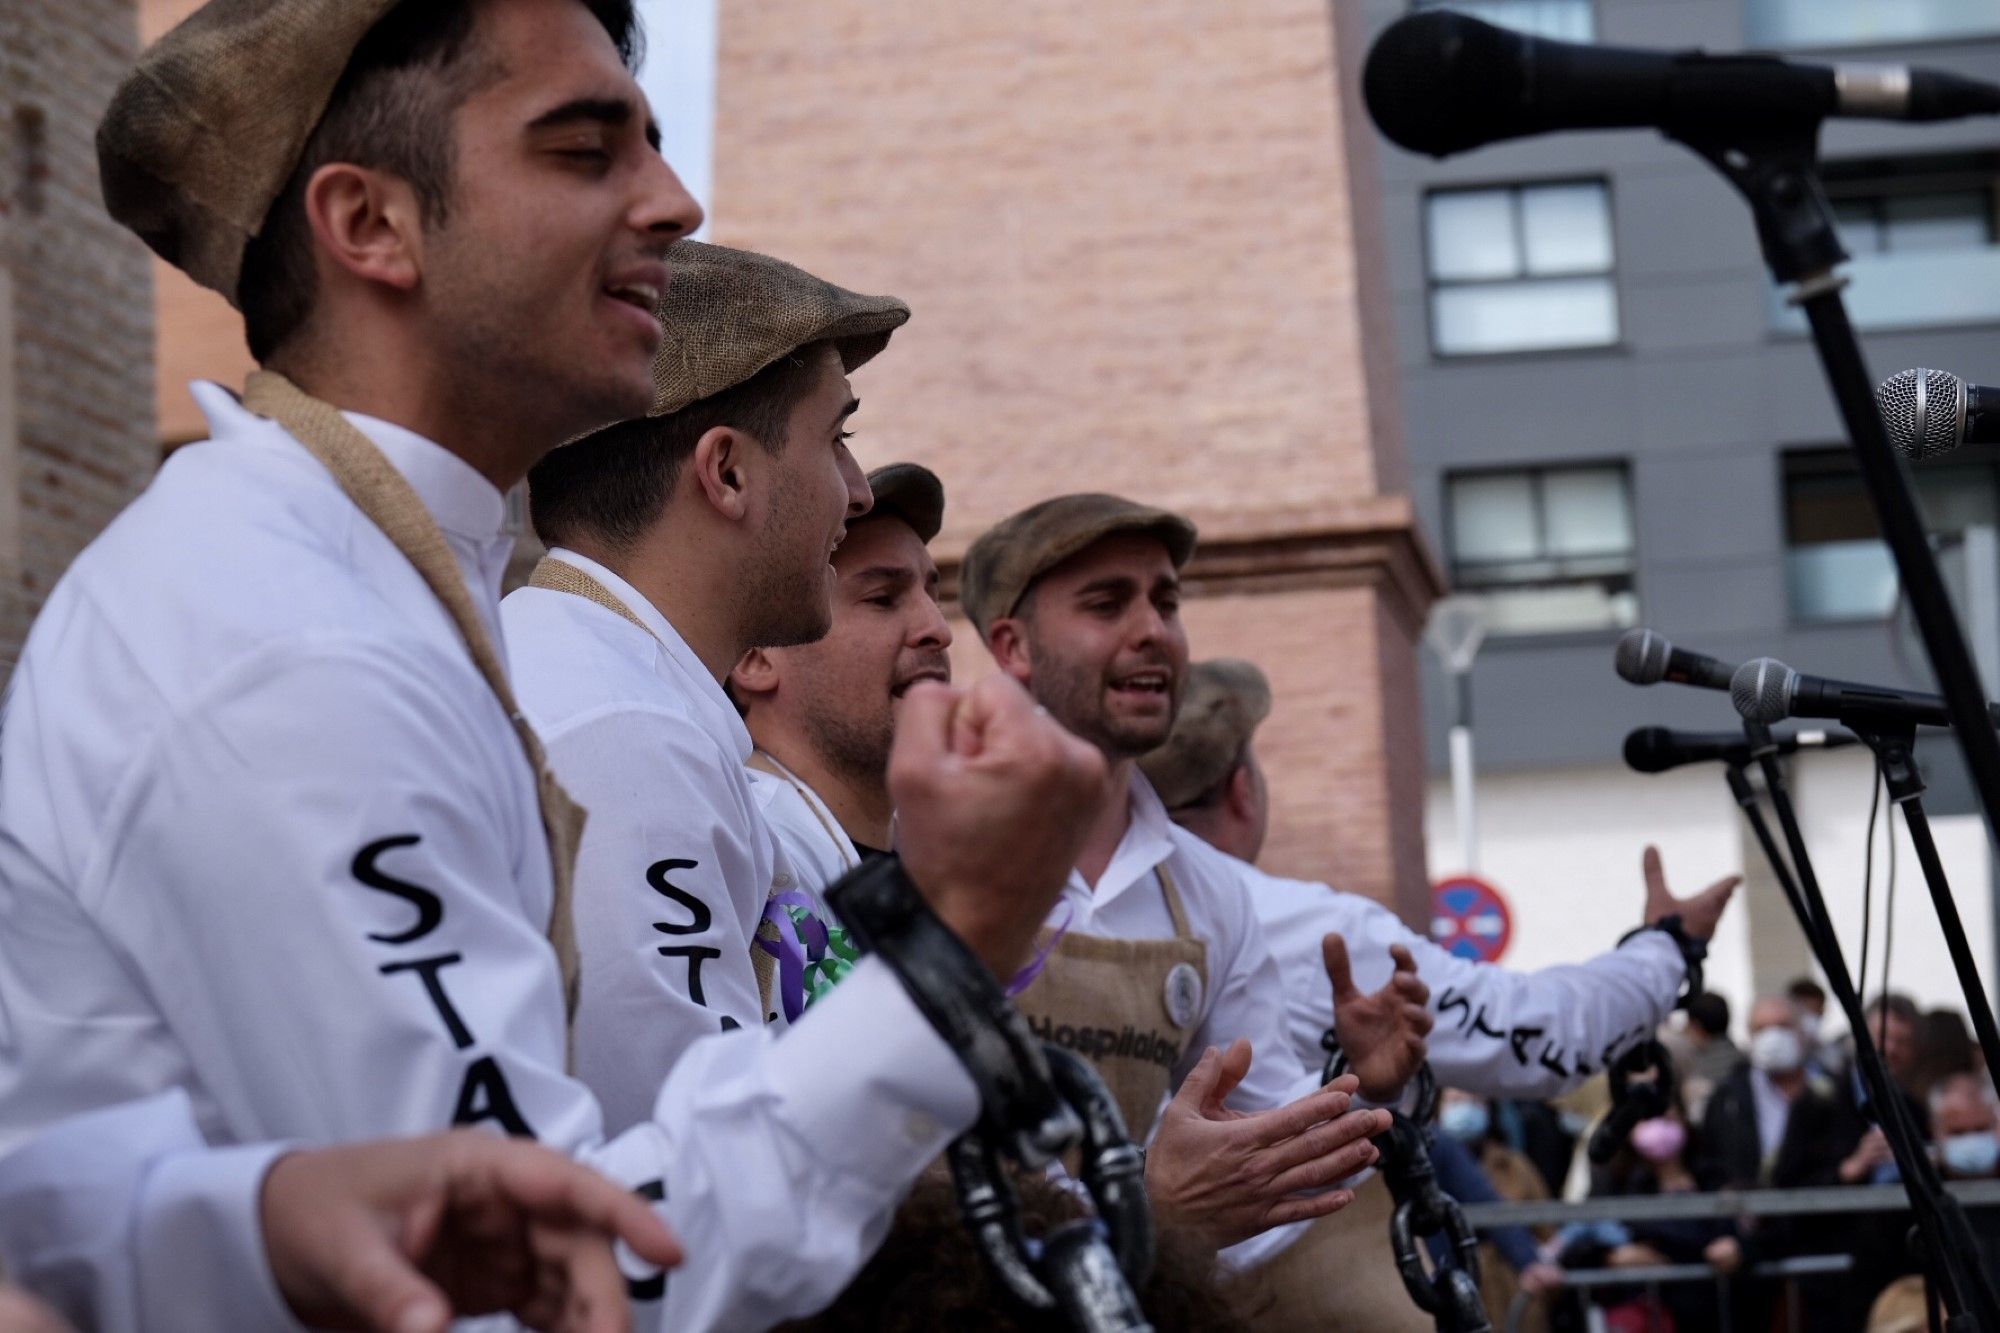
(123, 1218)
(266, 835)
(1499, 1033)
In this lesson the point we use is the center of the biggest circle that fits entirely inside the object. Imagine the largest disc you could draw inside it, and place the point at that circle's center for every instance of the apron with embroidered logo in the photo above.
(383, 495)
(1126, 1006)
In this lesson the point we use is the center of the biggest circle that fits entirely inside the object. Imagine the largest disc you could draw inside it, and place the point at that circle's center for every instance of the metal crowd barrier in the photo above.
(1722, 1203)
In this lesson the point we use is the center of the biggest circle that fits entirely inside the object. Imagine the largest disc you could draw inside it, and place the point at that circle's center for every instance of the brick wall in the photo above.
(81, 357)
(1141, 246)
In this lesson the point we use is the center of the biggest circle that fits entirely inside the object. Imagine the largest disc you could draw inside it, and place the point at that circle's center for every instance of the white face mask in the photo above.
(1777, 1050)
(1809, 1026)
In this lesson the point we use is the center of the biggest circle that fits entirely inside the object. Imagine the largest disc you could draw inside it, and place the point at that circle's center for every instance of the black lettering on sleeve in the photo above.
(1451, 1000)
(1480, 1025)
(696, 954)
(1518, 1039)
(484, 1095)
(430, 908)
(699, 918)
(428, 969)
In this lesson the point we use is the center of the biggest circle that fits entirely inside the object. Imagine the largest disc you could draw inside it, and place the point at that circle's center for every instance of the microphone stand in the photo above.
(1949, 1250)
(1774, 165)
(1894, 744)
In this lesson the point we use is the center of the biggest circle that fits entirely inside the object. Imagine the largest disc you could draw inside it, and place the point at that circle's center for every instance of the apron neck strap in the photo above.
(561, 576)
(1172, 893)
(392, 505)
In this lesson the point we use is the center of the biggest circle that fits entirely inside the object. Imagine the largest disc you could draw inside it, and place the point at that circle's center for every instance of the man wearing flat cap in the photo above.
(823, 715)
(1499, 1033)
(679, 542)
(272, 827)
(1157, 961)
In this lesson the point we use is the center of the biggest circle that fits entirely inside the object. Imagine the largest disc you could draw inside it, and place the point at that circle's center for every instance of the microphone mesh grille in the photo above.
(1760, 690)
(1897, 398)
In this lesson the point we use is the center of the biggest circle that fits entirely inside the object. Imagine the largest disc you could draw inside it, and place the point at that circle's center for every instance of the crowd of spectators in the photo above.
(1782, 1109)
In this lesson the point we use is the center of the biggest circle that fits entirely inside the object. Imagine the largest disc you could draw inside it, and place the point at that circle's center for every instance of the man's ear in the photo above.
(367, 223)
(718, 469)
(1242, 793)
(1007, 640)
(756, 673)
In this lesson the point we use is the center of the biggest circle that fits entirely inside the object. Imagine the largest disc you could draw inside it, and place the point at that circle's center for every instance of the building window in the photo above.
(1521, 268)
(1864, 22)
(1836, 565)
(1564, 20)
(1546, 549)
(1923, 240)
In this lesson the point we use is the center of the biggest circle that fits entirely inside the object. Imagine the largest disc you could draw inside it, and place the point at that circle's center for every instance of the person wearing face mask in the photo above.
(1809, 997)
(1966, 1128)
(1656, 1159)
(1474, 1166)
(1777, 1123)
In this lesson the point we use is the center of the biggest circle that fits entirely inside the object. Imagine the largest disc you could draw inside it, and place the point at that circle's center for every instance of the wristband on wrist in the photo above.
(1693, 951)
(1021, 1109)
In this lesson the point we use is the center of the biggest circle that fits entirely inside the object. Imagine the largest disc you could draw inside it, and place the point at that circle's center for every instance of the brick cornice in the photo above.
(1372, 543)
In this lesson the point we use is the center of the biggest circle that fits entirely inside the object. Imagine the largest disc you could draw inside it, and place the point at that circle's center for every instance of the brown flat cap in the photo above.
(202, 135)
(1013, 553)
(730, 313)
(911, 492)
(1221, 705)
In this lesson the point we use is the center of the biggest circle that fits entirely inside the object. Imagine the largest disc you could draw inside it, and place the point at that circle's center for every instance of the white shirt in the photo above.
(815, 846)
(123, 1218)
(1774, 1112)
(1499, 1033)
(267, 835)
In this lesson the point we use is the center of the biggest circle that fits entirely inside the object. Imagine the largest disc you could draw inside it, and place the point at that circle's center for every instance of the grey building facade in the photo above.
(1612, 421)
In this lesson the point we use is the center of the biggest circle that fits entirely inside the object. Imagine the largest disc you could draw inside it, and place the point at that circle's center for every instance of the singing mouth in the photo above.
(1142, 684)
(937, 674)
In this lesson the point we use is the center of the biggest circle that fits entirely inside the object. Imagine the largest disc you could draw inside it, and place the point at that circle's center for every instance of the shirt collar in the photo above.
(461, 501)
(712, 708)
(1148, 842)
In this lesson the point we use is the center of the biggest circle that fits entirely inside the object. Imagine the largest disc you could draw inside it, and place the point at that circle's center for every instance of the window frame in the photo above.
(1538, 473)
(1470, 8)
(1515, 189)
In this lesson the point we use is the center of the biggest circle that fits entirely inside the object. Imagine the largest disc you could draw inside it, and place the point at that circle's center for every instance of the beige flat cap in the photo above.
(729, 313)
(1222, 704)
(911, 492)
(1013, 553)
(202, 135)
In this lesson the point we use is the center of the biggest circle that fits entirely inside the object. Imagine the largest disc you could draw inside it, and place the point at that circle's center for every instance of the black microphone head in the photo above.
(1433, 79)
(1642, 656)
(1761, 689)
(1650, 750)
(1924, 411)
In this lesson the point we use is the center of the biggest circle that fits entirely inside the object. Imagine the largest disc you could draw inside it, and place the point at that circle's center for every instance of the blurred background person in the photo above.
(1713, 1055)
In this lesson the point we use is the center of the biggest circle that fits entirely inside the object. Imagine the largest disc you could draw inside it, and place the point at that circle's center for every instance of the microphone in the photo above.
(1657, 749)
(1440, 83)
(1646, 658)
(1766, 690)
(1932, 412)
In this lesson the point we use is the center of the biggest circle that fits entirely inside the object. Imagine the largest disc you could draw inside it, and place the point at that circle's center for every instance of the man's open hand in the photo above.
(1698, 914)
(1382, 1035)
(992, 806)
(1229, 1175)
(402, 1236)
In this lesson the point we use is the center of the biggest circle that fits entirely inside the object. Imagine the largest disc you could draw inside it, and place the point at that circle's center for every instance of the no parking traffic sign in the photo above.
(1470, 918)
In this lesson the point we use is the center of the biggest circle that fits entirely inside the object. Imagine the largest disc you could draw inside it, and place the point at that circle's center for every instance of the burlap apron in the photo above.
(1124, 1005)
(1340, 1276)
(382, 494)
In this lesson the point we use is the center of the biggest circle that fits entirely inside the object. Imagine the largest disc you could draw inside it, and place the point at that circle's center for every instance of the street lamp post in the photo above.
(1456, 628)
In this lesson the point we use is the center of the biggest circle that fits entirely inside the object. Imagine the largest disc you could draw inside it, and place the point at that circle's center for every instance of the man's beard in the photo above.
(854, 745)
(1074, 696)
(789, 601)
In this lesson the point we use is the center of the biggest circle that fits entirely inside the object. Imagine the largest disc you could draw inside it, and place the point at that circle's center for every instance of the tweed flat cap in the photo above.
(1222, 704)
(202, 135)
(1013, 553)
(911, 492)
(729, 313)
